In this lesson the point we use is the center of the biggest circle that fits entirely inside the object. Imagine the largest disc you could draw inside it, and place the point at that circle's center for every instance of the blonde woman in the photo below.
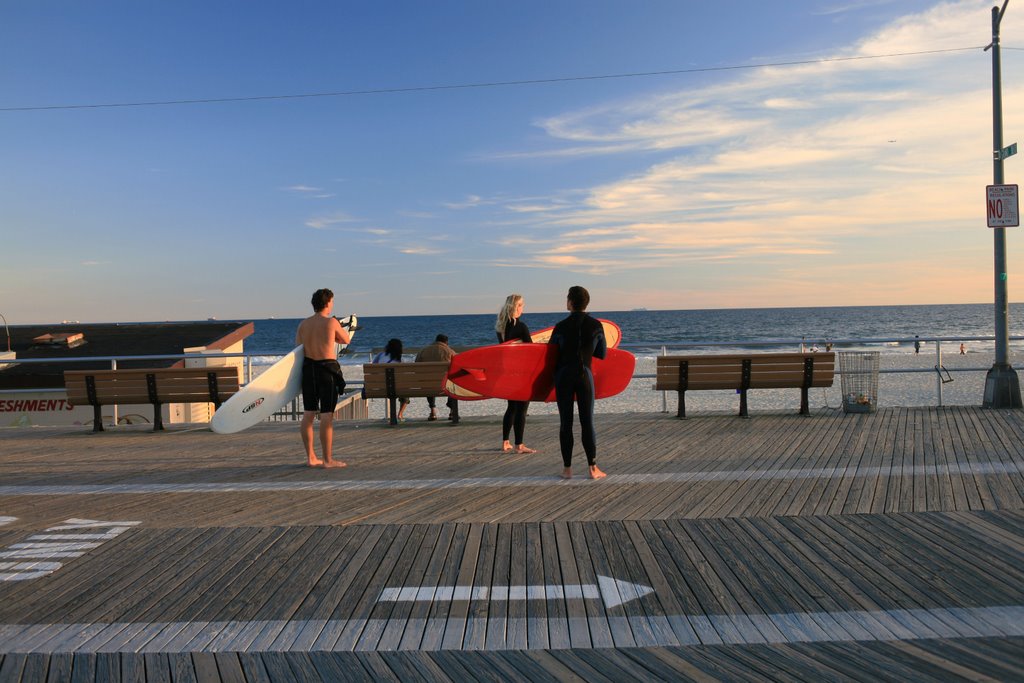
(510, 327)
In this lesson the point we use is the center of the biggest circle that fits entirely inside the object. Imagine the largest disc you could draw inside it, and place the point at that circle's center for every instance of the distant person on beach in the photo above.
(963, 351)
(917, 344)
(436, 352)
(579, 338)
(510, 327)
(322, 380)
(392, 353)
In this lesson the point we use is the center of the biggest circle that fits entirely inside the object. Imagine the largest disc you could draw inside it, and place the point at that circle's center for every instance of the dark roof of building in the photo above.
(109, 339)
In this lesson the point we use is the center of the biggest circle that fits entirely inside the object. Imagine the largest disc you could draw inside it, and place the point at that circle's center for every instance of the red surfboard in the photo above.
(526, 372)
(612, 336)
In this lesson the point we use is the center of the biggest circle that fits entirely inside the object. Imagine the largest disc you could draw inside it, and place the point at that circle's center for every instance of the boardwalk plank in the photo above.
(108, 667)
(443, 572)
(516, 633)
(465, 564)
(847, 658)
(575, 610)
(83, 667)
(338, 666)
(133, 667)
(736, 601)
(365, 588)
(276, 666)
(59, 670)
(478, 614)
(410, 569)
(551, 575)
(537, 611)
(621, 629)
(647, 620)
(252, 667)
(498, 610)
(936, 654)
(393, 572)
(11, 667)
(582, 665)
(459, 666)
(776, 528)
(182, 667)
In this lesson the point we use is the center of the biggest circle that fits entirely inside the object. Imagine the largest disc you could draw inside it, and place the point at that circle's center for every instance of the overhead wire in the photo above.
(488, 84)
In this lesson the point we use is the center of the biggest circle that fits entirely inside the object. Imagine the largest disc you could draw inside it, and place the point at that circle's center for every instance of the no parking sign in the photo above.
(1002, 205)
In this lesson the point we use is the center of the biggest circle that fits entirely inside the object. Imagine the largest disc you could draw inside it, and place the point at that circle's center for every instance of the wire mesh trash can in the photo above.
(858, 372)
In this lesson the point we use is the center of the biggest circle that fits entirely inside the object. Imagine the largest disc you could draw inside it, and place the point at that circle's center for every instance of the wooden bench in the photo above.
(743, 372)
(156, 386)
(404, 380)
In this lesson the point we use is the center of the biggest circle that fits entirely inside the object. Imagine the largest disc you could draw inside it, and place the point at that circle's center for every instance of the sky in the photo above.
(423, 158)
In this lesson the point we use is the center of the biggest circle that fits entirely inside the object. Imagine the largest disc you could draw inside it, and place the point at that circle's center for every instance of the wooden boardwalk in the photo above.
(831, 547)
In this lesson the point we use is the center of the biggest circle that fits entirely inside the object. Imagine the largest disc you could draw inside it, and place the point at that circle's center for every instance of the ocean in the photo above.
(719, 330)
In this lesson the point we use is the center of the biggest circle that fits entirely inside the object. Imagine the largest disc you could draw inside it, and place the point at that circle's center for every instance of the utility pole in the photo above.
(1002, 388)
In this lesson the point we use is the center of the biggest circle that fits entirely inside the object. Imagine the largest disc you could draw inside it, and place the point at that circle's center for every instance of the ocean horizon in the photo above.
(645, 331)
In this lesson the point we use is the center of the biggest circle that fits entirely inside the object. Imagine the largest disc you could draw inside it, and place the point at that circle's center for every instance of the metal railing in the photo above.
(805, 344)
(654, 348)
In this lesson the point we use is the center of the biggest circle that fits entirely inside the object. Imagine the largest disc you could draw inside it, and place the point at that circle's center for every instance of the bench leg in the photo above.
(743, 403)
(158, 418)
(804, 406)
(393, 404)
(681, 410)
(97, 418)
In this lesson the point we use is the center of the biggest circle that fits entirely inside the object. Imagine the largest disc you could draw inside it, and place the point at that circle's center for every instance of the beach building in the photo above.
(32, 393)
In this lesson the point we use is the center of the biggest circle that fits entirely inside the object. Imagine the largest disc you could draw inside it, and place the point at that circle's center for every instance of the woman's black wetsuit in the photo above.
(579, 338)
(515, 414)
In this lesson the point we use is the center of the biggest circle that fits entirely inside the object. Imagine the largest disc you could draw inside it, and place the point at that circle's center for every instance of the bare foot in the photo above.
(521, 448)
(567, 473)
(506, 447)
(314, 462)
(596, 473)
(339, 463)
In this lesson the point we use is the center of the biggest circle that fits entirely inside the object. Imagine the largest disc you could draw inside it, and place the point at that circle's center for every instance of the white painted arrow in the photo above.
(612, 591)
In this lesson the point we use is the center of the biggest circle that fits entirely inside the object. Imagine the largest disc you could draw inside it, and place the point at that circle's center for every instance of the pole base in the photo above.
(1002, 388)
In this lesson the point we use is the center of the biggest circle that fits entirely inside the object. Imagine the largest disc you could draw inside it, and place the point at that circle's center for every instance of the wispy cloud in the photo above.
(330, 221)
(783, 165)
(420, 250)
(850, 6)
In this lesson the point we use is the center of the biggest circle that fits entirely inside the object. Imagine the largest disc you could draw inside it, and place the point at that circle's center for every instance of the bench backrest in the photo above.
(767, 371)
(425, 378)
(172, 385)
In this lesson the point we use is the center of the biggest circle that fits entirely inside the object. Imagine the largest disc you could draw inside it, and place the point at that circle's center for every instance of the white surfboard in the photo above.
(268, 393)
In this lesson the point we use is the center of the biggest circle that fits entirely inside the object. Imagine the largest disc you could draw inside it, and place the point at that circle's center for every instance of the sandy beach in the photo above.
(894, 389)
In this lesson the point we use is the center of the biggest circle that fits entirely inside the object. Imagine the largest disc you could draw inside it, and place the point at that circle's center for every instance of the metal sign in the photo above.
(1006, 152)
(1003, 209)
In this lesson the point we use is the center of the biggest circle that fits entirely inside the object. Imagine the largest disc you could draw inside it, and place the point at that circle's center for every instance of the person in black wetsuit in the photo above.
(579, 338)
(510, 327)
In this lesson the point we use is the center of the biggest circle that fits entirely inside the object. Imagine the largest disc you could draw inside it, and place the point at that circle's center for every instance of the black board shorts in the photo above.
(322, 383)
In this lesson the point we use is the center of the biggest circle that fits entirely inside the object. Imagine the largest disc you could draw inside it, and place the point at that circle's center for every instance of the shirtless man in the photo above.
(320, 375)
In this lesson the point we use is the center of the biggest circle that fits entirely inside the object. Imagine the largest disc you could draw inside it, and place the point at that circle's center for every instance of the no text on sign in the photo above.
(1002, 206)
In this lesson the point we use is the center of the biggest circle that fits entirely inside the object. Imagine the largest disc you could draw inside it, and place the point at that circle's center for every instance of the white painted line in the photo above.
(829, 473)
(47, 546)
(612, 591)
(666, 631)
(7, 520)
